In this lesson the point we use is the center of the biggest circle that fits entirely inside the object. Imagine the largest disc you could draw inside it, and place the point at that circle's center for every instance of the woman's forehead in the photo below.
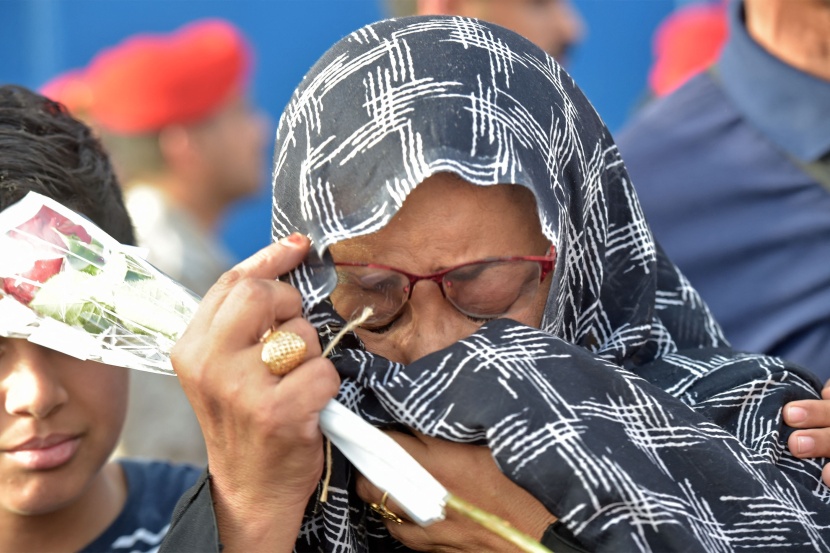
(448, 215)
(449, 193)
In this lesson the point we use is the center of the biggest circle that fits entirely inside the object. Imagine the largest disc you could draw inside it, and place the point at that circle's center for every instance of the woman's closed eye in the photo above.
(388, 326)
(479, 320)
(383, 329)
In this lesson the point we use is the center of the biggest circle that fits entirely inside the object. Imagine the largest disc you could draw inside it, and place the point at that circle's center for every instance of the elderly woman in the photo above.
(530, 344)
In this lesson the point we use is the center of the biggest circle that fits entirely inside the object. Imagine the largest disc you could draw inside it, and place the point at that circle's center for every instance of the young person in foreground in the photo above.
(550, 364)
(62, 417)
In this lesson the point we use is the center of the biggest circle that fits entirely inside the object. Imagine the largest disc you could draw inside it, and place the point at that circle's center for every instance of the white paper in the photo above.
(385, 463)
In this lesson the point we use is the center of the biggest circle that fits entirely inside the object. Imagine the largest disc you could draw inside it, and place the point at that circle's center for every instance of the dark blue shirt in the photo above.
(153, 488)
(718, 166)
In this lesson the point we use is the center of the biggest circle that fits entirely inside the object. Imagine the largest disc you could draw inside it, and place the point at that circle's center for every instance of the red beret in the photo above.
(150, 81)
(687, 42)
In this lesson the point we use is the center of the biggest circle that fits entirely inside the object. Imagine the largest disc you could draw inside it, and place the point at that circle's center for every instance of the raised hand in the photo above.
(469, 472)
(265, 452)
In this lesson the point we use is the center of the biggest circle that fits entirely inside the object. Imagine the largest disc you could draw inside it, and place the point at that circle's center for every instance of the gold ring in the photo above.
(383, 511)
(282, 351)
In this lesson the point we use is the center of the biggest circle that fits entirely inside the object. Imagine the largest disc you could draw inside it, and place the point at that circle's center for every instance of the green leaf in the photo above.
(84, 257)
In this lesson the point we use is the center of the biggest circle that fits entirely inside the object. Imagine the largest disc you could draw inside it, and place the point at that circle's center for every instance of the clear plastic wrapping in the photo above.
(68, 285)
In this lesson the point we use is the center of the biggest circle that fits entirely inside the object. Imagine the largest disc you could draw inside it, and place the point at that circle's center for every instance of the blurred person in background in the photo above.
(733, 172)
(553, 25)
(173, 112)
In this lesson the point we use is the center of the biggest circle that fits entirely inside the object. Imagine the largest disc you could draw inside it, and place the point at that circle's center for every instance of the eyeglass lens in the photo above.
(487, 289)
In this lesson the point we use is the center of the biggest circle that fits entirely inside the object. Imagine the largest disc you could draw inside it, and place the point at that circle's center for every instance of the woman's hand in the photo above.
(813, 416)
(264, 444)
(469, 472)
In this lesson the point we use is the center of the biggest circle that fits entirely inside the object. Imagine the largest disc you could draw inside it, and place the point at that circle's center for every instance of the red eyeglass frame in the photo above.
(546, 263)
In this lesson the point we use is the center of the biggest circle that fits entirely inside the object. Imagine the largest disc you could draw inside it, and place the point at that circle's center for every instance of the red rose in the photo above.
(23, 288)
(42, 230)
(43, 226)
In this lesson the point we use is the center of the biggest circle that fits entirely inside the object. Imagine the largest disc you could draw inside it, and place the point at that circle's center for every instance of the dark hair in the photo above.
(46, 150)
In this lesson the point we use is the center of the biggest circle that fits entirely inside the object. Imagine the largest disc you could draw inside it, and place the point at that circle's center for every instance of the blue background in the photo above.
(41, 38)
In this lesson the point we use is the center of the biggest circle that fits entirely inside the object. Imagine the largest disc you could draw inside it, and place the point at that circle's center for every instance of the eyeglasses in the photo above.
(484, 289)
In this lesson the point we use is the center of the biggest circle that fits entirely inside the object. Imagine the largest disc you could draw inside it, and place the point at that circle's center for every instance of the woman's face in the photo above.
(445, 222)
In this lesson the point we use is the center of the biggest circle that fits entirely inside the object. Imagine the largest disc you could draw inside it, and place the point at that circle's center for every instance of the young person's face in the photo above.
(60, 421)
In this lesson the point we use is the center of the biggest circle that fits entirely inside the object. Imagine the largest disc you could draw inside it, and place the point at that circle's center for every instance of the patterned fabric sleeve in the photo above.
(623, 464)
(193, 527)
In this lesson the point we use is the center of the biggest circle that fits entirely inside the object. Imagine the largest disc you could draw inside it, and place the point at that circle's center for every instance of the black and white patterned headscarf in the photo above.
(626, 414)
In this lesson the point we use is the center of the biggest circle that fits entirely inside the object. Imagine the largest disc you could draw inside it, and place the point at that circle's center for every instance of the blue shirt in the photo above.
(153, 488)
(717, 168)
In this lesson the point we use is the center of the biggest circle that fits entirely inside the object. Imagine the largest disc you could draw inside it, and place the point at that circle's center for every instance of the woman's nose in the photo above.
(436, 323)
(32, 386)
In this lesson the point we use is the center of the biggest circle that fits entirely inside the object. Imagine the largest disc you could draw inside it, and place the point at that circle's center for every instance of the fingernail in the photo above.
(796, 414)
(805, 444)
(294, 240)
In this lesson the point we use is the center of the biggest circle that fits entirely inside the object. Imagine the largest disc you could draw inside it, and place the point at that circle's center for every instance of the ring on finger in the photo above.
(282, 351)
(384, 511)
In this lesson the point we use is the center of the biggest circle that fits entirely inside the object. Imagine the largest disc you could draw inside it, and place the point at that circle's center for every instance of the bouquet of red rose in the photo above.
(68, 285)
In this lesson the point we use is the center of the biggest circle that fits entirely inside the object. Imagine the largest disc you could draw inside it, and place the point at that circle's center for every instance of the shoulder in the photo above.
(700, 93)
(677, 125)
(153, 488)
(158, 481)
